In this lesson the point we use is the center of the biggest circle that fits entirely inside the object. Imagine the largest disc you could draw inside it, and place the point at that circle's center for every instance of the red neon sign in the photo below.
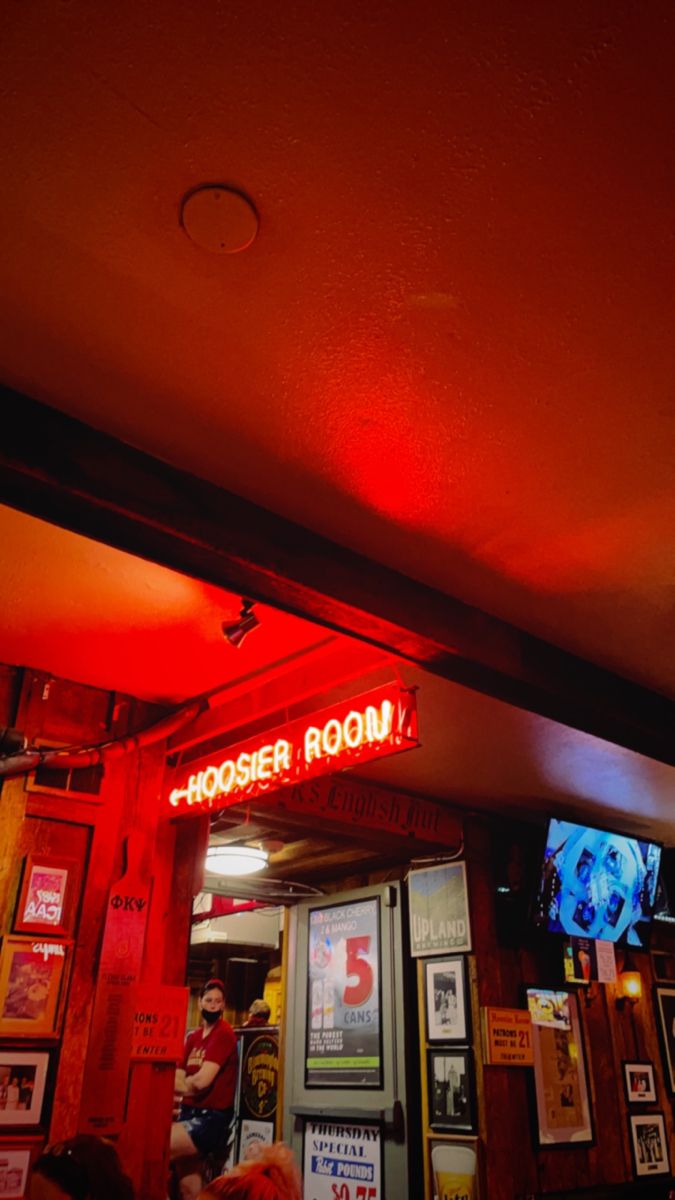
(369, 726)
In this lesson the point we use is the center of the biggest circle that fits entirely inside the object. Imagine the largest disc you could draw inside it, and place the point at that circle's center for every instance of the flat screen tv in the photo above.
(597, 884)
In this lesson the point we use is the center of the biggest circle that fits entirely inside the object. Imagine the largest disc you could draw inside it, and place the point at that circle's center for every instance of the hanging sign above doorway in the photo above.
(372, 725)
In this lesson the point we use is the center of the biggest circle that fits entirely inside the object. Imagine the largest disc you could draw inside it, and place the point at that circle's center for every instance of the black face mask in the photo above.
(210, 1017)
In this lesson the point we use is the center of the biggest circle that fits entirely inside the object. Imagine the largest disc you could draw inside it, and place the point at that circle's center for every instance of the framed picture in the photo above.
(649, 1144)
(14, 1164)
(47, 896)
(23, 1074)
(451, 1091)
(439, 910)
(639, 1082)
(31, 974)
(665, 1009)
(343, 1030)
(560, 1076)
(455, 1169)
(447, 1000)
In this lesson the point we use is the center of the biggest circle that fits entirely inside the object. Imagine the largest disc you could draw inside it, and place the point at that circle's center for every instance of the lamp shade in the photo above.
(631, 985)
(235, 860)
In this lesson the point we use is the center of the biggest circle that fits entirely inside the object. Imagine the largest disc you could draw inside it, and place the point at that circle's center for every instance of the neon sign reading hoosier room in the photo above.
(368, 726)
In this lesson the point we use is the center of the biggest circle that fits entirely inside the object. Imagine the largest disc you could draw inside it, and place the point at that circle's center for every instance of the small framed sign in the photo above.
(639, 1082)
(447, 1000)
(649, 1144)
(47, 896)
(451, 1092)
(31, 973)
(23, 1074)
(14, 1164)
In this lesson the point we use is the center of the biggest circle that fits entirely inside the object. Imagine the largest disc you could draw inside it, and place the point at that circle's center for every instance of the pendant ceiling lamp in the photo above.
(235, 860)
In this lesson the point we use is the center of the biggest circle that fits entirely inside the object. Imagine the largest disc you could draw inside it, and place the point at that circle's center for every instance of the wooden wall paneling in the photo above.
(190, 842)
(69, 713)
(104, 861)
(505, 1115)
(13, 799)
(424, 1077)
(10, 690)
(144, 1140)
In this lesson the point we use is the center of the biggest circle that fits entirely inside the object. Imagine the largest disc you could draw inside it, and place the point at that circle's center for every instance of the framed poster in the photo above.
(253, 1133)
(665, 1009)
(638, 1078)
(46, 899)
(561, 1086)
(649, 1144)
(451, 1091)
(343, 1041)
(439, 910)
(446, 1000)
(14, 1163)
(342, 1161)
(31, 973)
(23, 1074)
(454, 1169)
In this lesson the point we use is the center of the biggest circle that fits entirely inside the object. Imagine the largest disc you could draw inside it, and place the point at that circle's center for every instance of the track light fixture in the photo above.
(237, 631)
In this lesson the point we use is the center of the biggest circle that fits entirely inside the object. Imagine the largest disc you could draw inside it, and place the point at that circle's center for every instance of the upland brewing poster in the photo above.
(439, 910)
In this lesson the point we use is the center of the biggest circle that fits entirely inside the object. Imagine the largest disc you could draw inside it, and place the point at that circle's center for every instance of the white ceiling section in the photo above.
(449, 346)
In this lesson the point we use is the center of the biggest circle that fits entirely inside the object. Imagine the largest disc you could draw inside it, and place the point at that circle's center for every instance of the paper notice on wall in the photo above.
(606, 960)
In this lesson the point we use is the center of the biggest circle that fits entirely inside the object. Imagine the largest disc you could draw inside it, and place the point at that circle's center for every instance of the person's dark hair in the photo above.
(210, 985)
(85, 1168)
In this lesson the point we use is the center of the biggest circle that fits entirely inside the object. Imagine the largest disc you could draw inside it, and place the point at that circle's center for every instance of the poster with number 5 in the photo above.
(343, 1045)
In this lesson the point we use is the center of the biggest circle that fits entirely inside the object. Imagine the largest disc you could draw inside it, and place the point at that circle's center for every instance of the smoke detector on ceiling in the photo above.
(219, 218)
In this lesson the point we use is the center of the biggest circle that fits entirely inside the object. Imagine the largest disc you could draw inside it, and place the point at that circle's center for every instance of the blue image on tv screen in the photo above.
(597, 884)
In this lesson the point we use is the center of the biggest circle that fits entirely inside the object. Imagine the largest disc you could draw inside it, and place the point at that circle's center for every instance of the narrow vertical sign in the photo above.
(107, 1063)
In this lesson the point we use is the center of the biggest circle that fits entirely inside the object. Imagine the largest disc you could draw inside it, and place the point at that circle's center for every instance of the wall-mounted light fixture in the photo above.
(237, 630)
(628, 984)
(235, 860)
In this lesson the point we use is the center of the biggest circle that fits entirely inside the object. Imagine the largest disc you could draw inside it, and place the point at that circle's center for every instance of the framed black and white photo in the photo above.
(665, 1009)
(638, 1078)
(23, 1074)
(451, 1091)
(447, 1000)
(649, 1144)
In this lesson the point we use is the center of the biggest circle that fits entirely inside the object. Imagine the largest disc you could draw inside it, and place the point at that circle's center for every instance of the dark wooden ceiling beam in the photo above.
(65, 472)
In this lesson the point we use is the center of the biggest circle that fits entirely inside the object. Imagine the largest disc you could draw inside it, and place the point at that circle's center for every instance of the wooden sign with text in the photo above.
(159, 1023)
(507, 1037)
(106, 1069)
(354, 802)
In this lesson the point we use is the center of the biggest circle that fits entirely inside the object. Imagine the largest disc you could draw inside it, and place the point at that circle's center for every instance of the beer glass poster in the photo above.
(343, 1043)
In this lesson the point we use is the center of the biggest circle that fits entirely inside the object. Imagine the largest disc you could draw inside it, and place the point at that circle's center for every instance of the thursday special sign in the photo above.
(342, 1162)
(439, 910)
(343, 1043)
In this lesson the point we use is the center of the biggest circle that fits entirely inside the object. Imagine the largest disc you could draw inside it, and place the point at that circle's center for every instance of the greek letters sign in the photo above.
(439, 910)
(342, 1162)
(508, 1037)
(343, 1042)
(159, 1023)
(106, 1067)
(369, 726)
